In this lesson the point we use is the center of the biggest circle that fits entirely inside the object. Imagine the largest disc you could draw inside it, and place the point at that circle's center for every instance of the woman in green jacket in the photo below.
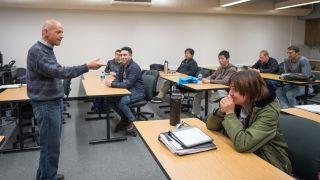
(249, 115)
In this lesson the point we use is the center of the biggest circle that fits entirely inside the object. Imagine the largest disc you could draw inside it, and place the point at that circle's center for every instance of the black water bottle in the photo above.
(175, 107)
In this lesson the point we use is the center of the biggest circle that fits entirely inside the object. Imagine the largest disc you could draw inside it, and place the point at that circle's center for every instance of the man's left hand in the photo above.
(108, 82)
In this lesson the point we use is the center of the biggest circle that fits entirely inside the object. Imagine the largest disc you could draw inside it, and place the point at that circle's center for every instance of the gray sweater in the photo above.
(301, 66)
(44, 73)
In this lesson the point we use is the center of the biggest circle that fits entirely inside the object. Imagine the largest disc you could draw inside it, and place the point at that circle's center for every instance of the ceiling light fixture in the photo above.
(293, 3)
(226, 3)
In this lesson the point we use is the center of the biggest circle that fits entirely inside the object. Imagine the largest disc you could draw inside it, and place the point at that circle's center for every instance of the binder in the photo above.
(176, 148)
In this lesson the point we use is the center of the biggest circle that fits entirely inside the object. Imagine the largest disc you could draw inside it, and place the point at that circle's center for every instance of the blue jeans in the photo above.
(272, 84)
(121, 106)
(288, 94)
(49, 117)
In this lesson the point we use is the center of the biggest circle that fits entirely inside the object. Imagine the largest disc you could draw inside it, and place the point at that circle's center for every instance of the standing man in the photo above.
(45, 90)
(114, 64)
(294, 64)
(188, 66)
(129, 76)
(266, 64)
(220, 76)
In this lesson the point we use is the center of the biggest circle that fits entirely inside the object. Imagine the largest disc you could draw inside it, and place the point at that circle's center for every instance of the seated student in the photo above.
(266, 64)
(112, 67)
(295, 64)
(249, 115)
(129, 76)
(220, 76)
(188, 66)
(114, 64)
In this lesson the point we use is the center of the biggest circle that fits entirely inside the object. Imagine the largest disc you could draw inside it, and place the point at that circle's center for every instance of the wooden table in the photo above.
(2, 138)
(174, 78)
(302, 113)
(94, 87)
(18, 96)
(223, 163)
(276, 77)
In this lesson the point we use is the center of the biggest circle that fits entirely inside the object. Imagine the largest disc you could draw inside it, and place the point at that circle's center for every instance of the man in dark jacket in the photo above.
(45, 90)
(129, 76)
(188, 66)
(114, 64)
(266, 64)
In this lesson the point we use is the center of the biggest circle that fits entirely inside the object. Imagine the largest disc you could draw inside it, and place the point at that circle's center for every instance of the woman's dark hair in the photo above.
(251, 85)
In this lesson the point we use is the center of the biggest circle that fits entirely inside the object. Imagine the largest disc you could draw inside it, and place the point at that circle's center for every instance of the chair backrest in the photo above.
(67, 86)
(149, 83)
(156, 75)
(316, 87)
(281, 68)
(303, 139)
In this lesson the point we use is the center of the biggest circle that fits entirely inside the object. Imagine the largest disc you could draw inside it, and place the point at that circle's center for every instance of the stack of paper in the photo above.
(186, 141)
(310, 107)
(10, 86)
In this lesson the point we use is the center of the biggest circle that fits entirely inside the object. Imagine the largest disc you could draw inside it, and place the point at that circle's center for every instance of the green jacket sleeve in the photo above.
(215, 119)
(262, 130)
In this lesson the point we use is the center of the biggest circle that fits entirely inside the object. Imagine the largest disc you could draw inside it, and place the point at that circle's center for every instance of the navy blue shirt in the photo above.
(188, 67)
(270, 67)
(130, 77)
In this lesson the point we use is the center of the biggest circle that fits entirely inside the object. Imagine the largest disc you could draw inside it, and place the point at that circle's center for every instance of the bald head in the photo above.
(52, 32)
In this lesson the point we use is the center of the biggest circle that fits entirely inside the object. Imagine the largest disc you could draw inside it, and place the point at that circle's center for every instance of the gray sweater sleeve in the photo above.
(53, 69)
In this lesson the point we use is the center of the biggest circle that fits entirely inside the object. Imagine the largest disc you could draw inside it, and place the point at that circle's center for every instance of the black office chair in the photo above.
(156, 75)
(303, 139)
(149, 82)
(67, 88)
(20, 76)
(316, 90)
(281, 68)
(28, 121)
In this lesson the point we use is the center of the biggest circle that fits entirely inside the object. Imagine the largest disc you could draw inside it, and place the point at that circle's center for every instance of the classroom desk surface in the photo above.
(174, 77)
(222, 163)
(276, 77)
(1, 139)
(95, 87)
(13, 95)
(303, 113)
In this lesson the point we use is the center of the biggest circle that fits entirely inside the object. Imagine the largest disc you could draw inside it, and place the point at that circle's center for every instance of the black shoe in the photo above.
(130, 130)
(156, 100)
(121, 126)
(60, 177)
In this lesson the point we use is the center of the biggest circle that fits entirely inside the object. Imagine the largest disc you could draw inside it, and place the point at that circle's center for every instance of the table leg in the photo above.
(108, 139)
(206, 103)
(306, 89)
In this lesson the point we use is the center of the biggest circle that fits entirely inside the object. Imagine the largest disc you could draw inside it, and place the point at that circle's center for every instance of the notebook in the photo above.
(311, 107)
(190, 136)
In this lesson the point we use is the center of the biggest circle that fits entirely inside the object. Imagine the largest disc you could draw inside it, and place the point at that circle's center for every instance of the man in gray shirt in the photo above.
(295, 64)
(220, 76)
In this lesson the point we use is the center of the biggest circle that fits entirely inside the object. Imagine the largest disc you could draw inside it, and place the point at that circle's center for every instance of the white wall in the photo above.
(154, 37)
